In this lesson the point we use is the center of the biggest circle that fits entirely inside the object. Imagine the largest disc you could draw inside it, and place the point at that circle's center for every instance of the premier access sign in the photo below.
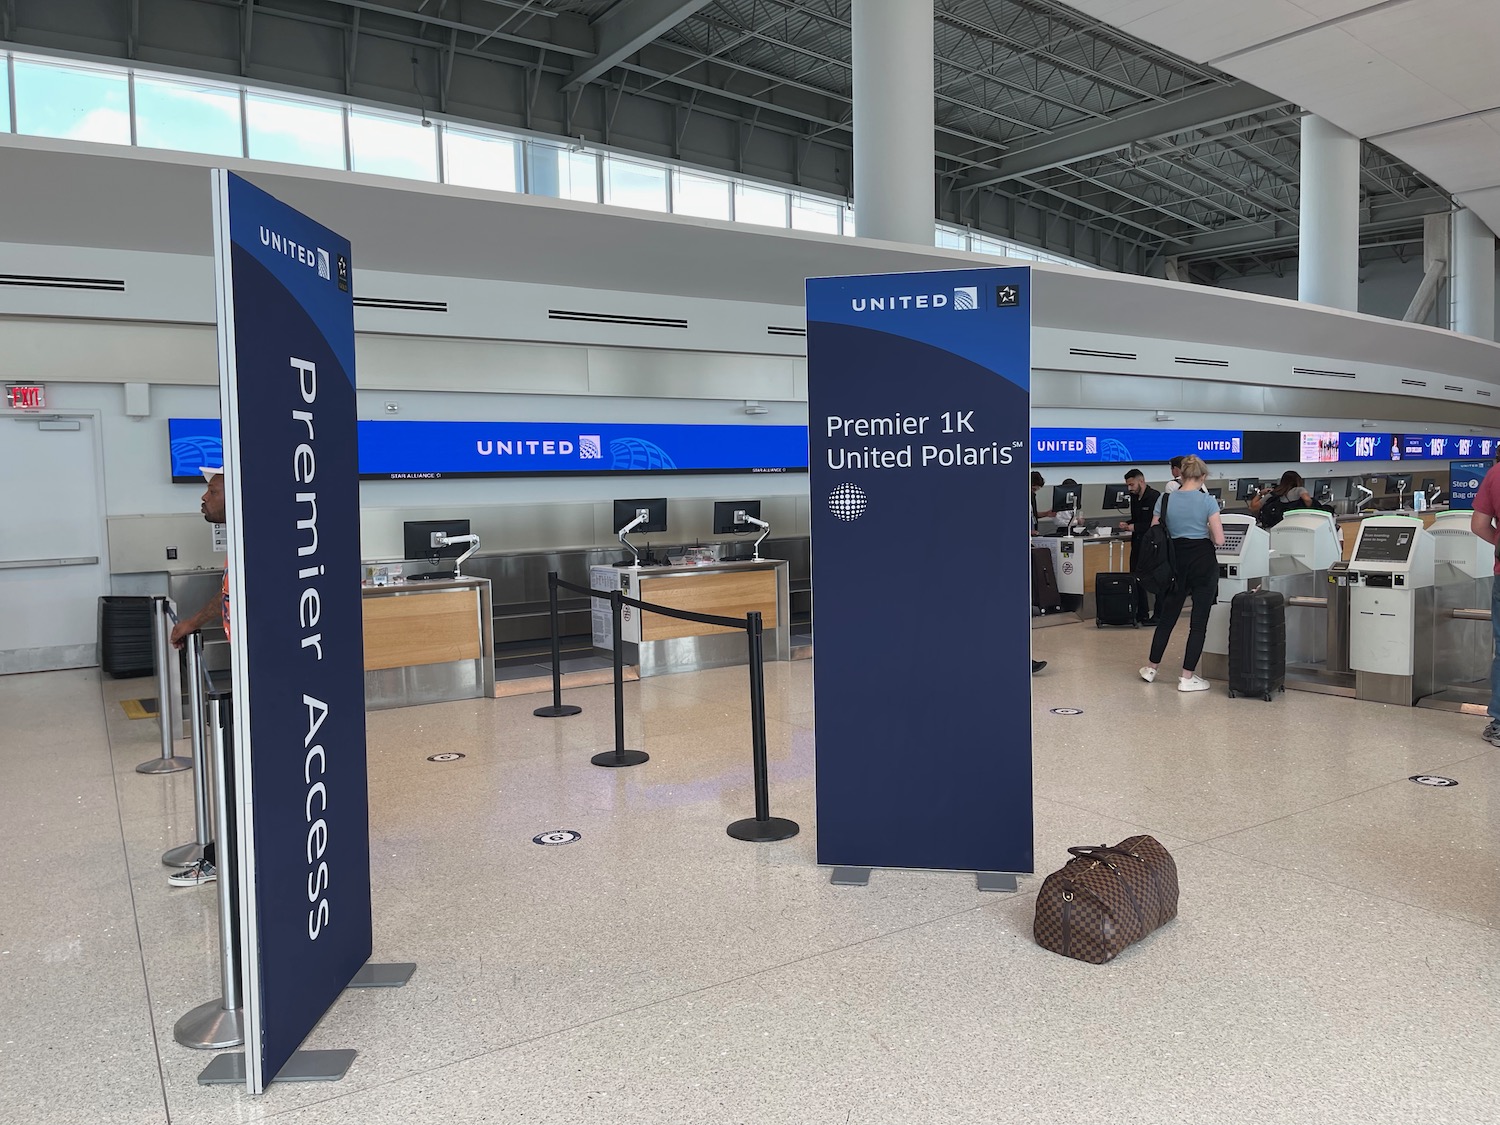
(286, 386)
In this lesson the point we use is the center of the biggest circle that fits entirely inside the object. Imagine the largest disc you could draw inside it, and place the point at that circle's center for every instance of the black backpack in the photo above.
(1274, 509)
(1156, 562)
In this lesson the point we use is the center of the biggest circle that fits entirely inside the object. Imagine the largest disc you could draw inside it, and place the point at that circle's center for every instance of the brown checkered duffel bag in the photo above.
(1105, 898)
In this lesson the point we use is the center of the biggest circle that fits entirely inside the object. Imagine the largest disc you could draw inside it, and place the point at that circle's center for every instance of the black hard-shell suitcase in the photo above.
(1044, 593)
(1119, 599)
(1257, 644)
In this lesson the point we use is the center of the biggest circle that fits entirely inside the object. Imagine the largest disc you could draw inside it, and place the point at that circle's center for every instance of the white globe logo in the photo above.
(848, 502)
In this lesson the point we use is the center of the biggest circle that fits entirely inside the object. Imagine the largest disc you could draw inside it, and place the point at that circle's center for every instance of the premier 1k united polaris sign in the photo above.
(918, 428)
(286, 387)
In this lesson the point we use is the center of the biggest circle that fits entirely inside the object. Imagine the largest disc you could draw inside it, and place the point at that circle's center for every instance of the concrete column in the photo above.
(894, 176)
(1472, 284)
(1328, 243)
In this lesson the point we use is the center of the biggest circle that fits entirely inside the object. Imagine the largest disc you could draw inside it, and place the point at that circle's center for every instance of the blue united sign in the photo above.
(918, 407)
(286, 385)
(1052, 446)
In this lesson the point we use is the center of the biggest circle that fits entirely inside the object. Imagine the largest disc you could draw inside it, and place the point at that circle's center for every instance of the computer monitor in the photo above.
(1429, 483)
(725, 512)
(1397, 482)
(1116, 495)
(1323, 491)
(656, 515)
(1248, 486)
(417, 539)
(1066, 497)
(1216, 493)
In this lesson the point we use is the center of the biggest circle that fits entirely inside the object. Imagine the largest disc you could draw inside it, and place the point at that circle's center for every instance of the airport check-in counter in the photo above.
(1391, 603)
(1463, 640)
(1244, 564)
(1305, 547)
(657, 644)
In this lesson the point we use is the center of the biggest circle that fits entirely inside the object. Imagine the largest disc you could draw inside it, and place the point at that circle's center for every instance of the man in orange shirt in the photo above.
(217, 609)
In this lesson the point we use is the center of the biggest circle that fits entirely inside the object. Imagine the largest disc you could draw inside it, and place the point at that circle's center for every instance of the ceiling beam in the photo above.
(624, 29)
(1210, 107)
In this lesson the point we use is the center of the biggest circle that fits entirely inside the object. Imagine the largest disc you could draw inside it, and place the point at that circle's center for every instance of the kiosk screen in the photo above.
(1384, 544)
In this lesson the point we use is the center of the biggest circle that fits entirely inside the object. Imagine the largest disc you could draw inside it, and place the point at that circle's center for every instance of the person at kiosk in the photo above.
(1037, 481)
(1192, 520)
(1143, 500)
(1269, 507)
(1485, 523)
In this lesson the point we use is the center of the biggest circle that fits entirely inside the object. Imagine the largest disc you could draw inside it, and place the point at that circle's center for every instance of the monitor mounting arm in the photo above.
(442, 539)
(1368, 492)
(641, 516)
(765, 529)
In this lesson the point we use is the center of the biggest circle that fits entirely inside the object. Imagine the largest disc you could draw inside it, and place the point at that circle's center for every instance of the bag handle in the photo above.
(1094, 853)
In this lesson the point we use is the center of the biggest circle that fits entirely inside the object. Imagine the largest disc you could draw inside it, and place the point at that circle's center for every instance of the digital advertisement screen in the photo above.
(1319, 445)
(437, 450)
(1060, 446)
(1369, 447)
(196, 443)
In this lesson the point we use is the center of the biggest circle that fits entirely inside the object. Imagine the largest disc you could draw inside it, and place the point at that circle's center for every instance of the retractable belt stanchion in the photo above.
(184, 854)
(558, 708)
(619, 756)
(764, 827)
(166, 706)
(220, 1023)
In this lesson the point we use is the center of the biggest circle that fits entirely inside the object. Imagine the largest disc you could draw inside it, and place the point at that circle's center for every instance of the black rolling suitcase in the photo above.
(1119, 599)
(1044, 593)
(1257, 644)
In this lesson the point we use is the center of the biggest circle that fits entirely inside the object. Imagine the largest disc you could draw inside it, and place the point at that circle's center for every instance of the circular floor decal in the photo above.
(445, 757)
(1067, 710)
(557, 837)
(1433, 780)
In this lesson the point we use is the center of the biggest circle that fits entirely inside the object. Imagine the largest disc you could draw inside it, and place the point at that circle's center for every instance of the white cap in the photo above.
(209, 474)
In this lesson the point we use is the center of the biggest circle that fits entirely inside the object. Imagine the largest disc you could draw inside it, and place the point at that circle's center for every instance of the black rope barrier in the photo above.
(763, 827)
(558, 708)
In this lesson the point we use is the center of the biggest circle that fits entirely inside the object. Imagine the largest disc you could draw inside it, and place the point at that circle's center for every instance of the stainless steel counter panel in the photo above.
(442, 681)
(714, 650)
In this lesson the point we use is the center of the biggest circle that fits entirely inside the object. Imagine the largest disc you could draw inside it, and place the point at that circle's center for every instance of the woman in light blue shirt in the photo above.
(1192, 520)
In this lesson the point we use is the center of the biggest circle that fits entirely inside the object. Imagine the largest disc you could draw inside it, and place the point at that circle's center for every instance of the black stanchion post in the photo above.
(557, 709)
(764, 828)
(619, 756)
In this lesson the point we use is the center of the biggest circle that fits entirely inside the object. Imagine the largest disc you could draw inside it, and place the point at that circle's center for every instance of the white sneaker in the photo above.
(1148, 674)
(1194, 682)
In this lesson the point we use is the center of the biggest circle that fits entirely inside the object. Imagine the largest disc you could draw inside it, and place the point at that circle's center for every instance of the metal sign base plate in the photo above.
(384, 976)
(303, 1066)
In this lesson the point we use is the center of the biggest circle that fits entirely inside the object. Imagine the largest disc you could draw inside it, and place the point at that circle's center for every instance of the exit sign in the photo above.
(26, 396)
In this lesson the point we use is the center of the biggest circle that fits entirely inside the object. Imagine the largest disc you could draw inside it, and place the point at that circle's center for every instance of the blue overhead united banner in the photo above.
(918, 411)
(286, 386)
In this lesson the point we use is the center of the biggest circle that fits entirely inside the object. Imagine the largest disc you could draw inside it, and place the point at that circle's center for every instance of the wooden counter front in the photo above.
(421, 627)
(723, 593)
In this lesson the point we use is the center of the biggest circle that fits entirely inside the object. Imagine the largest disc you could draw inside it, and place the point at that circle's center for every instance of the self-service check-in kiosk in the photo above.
(1244, 564)
(1463, 641)
(1305, 546)
(1390, 580)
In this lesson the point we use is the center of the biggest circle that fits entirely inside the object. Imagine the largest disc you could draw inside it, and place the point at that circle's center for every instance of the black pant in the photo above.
(1198, 578)
(1150, 604)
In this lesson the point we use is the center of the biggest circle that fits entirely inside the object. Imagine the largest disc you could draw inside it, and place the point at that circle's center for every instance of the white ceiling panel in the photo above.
(1337, 76)
(1450, 44)
(1463, 154)
(1208, 29)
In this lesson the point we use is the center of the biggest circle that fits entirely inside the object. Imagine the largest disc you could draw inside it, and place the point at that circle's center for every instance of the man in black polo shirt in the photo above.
(1142, 506)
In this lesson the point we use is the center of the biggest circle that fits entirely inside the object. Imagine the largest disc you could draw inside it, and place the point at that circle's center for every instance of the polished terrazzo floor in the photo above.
(1336, 958)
